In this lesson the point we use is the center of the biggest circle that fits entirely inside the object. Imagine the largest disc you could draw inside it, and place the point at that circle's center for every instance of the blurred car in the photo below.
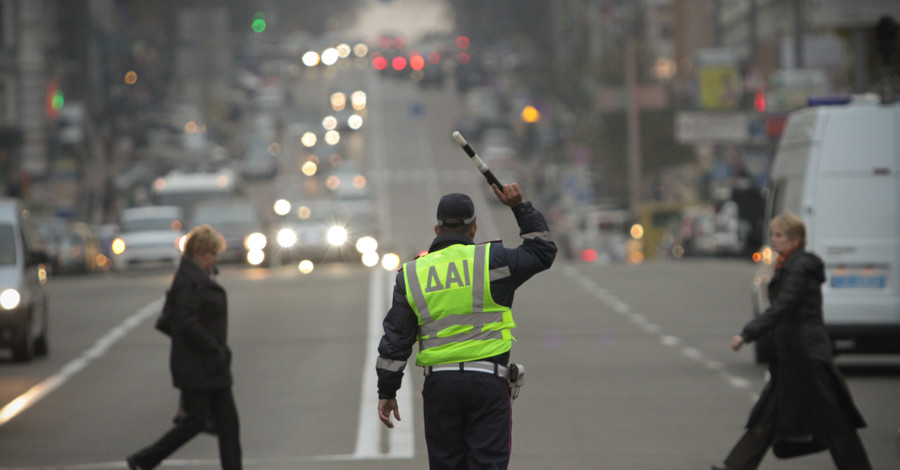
(350, 189)
(184, 189)
(106, 233)
(693, 234)
(73, 247)
(347, 183)
(86, 246)
(389, 55)
(149, 236)
(239, 221)
(497, 149)
(304, 120)
(321, 230)
(431, 66)
(345, 119)
(597, 233)
(347, 106)
(23, 300)
(259, 162)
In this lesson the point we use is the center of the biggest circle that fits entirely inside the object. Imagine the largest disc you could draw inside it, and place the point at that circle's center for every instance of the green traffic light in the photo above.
(259, 22)
(57, 101)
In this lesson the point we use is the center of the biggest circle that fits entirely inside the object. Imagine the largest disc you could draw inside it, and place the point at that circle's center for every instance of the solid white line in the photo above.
(368, 434)
(99, 348)
(402, 437)
(369, 430)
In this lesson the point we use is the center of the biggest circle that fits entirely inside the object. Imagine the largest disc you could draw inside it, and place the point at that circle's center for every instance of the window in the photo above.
(7, 245)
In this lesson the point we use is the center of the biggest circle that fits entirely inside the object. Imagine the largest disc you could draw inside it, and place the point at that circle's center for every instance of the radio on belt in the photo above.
(516, 379)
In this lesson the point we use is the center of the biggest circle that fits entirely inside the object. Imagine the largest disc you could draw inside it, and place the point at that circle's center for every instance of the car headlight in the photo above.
(255, 241)
(9, 299)
(286, 238)
(366, 245)
(355, 122)
(255, 257)
(118, 246)
(336, 235)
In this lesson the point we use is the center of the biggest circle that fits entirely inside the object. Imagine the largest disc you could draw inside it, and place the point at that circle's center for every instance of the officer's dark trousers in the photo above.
(468, 421)
(198, 407)
(847, 450)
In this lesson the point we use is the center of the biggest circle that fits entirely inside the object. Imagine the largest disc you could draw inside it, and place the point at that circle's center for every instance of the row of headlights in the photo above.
(255, 244)
(336, 236)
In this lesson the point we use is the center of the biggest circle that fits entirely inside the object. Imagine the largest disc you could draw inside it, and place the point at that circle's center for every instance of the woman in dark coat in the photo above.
(806, 406)
(200, 360)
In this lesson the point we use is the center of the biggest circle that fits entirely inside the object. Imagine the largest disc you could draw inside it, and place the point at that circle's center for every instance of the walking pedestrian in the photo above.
(199, 360)
(806, 406)
(456, 302)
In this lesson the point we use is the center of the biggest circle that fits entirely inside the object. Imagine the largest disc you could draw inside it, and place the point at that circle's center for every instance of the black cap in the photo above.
(455, 209)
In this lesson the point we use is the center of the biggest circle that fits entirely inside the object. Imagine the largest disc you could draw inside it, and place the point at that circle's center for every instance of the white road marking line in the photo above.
(692, 353)
(369, 430)
(99, 348)
(669, 340)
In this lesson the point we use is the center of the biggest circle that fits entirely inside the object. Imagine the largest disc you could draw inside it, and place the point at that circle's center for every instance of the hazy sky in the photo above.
(408, 17)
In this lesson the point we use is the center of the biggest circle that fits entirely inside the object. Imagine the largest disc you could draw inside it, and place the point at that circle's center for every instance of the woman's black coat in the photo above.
(810, 394)
(199, 358)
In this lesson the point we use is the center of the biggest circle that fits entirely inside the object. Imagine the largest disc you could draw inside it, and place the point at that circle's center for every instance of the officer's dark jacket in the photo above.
(510, 268)
(199, 358)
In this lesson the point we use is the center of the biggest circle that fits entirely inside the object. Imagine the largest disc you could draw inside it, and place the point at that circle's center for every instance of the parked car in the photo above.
(150, 236)
(73, 247)
(23, 273)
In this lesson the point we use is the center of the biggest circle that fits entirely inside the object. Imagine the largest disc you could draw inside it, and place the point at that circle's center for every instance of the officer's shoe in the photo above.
(716, 467)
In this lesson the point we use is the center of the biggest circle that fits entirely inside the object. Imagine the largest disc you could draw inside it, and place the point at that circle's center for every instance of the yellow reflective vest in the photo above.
(451, 295)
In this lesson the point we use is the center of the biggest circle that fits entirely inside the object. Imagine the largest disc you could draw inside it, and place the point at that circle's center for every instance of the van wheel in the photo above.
(764, 349)
(23, 346)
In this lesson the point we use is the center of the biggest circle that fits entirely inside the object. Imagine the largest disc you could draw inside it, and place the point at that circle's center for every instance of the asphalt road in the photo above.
(627, 366)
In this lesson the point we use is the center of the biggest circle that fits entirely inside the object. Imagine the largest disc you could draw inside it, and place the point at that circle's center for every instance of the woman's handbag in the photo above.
(209, 427)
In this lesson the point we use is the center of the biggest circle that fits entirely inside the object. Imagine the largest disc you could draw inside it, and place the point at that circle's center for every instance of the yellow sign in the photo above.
(719, 87)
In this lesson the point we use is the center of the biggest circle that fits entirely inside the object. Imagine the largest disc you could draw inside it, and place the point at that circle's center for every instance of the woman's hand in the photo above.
(737, 342)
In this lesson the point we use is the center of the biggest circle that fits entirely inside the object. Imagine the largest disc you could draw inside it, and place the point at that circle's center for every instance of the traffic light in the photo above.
(54, 99)
(759, 102)
(258, 24)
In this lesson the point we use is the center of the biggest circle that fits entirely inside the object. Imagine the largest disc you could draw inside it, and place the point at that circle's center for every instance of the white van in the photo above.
(837, 166)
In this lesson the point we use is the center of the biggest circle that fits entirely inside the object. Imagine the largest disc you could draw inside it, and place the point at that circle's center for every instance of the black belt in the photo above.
(486, 367)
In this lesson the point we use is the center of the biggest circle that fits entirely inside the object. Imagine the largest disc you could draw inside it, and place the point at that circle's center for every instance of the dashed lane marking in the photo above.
(640, 320)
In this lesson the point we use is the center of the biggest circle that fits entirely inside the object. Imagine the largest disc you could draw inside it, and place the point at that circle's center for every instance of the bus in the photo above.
(185, 190)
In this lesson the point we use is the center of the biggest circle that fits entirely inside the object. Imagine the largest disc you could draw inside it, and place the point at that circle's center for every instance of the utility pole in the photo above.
(886, 37)
(634, 123)
(753, 34)
(798, 33)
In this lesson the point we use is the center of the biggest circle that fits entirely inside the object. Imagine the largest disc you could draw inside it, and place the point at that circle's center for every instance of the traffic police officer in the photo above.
(456, 303)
